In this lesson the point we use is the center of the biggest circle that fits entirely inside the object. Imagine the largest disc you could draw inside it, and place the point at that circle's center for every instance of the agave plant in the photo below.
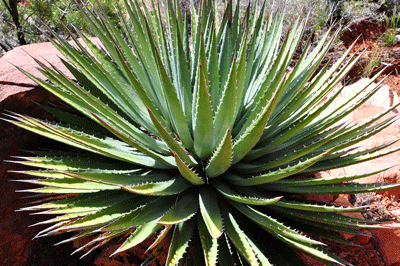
(203, 134)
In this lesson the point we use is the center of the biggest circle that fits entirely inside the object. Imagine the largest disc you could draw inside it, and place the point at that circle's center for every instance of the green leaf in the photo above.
(343, 188)
(183, 210)
(174, 106)
(187, 172)
(172, 144)
(141, 233)
(203, 126)
(150, 212)
(224, 117)
(251, 135)
(252, 199)
(210, 211)
(239, 238)
(209, 244)
(180, 241)
(271, 223)
(274, 175)
(109, 214)
(222, 157)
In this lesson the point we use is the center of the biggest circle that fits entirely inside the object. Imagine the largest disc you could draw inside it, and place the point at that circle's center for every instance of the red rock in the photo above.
(320, 198)
(383, 99)
(389, 244)
(13, 81)
(342, 201)
(364, 239)
(395, 212)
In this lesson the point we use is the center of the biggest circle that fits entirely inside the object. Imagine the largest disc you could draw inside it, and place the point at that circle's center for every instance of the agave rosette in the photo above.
(199, 131)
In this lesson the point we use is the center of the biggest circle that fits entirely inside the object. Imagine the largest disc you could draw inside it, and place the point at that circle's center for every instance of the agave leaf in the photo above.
(337, 160)
(224, 116)
(214, 73)
(141, 233)
(64, 201)
(276, 174)
(203, 125)
(312, 250)
(180, 241)
(210, 211)
(225, 251)
(231, 194)
(150, 212)
(302, 72)
(290, 132)
(263, 89)
(241, 72)
(227, 69)
(147, 184)
(341, 188)
(183, 210)
(238, 238)
(112, 213)
(150, 79)
(59, 190)
(252, 134)
(95, 202)
(173, 186)
(104, 146)
(121, 179)
(176, 112)
(72, 183)
(65, 217)
(329, 227)
(317, 92)
(187, 172)
(316, 207)
(328, 235)
(324, 180)
(222, 157)
(271, 224)
(73, 162)
(259, 253)
(355, 135)
(329, 218)
(103, 239)
(180, 71)
(128, 95)
(208, 243)
(172, 144)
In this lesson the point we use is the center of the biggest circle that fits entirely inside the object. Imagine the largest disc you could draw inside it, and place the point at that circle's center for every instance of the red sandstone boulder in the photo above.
(382, 100)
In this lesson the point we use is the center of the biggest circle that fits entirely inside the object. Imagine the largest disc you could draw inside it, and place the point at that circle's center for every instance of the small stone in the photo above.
(396, 40)
(342, 201)
(364, 239)
(321, 198)
(395, 212)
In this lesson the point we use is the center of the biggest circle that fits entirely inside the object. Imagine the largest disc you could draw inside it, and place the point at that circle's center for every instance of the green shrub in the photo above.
(38, 16)
(391, 25)
(201, 131)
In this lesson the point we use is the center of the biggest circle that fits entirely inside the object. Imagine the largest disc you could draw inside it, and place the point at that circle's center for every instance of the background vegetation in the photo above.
(24, 21)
